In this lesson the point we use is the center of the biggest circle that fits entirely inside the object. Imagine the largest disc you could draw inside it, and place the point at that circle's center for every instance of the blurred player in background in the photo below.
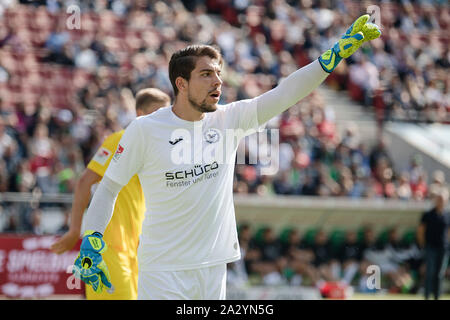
(189, 231)
(123, 232)
(433, 235)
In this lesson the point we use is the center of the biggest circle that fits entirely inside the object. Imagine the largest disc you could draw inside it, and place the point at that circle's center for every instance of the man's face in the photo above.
(205, 85)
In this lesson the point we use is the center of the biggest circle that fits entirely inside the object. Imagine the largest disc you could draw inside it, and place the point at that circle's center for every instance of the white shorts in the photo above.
(198, 284)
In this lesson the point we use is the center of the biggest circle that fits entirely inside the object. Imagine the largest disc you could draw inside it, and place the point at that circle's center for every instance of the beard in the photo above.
(202, 106)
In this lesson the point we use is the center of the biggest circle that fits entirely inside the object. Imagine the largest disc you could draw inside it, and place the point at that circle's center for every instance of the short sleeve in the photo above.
(128, 157)
(99, 163)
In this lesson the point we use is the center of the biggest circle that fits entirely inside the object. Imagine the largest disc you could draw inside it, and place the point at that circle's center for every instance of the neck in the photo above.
(184, 110)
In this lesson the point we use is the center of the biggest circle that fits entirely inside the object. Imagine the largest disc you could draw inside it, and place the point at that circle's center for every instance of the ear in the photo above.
(181, 84)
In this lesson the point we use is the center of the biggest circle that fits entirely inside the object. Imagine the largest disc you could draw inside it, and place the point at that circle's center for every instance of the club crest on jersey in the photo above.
(118, 153)
(212, 135)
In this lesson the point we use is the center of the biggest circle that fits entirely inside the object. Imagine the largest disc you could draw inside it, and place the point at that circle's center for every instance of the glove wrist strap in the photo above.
(92, 232)
(330, 59)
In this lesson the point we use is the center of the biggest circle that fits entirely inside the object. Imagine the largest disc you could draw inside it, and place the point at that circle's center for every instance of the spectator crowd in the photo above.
(65, 86)
(317, 257)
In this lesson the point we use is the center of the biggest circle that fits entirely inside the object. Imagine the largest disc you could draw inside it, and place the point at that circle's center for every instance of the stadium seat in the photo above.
(284, 234)
(382, 238)
(309, 236)
(360, 235)
(336, 238)
(409, 237)
(258, 236)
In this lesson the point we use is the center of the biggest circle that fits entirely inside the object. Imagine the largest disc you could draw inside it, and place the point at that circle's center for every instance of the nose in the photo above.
(217, 80)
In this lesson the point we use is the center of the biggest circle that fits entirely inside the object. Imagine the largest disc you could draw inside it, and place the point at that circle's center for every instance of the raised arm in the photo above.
(303, 81)
(291, 90)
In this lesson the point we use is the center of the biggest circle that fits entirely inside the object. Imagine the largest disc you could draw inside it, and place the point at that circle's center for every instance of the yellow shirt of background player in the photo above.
(122, 233)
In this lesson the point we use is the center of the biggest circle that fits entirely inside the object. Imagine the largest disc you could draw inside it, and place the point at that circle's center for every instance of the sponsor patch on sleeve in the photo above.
(102, 156)
(118, 153)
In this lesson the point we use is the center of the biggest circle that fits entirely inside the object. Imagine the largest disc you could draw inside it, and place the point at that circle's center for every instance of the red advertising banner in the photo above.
(28, 269)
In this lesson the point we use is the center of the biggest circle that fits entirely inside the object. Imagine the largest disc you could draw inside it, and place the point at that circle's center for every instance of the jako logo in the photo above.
(174, 142)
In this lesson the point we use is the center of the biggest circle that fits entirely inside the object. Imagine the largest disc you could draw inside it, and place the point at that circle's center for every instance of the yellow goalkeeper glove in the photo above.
(359, 32)
(90, 266)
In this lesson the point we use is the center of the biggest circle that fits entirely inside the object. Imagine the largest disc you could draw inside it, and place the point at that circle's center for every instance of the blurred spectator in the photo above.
(271, 263)
(12, 225)
(415, 168)
(366, 74)
(299, 260)
(401, 278)
(58, 46)
(126, 46)
(384, 179)
(4, 177)
(297, 263)
(404, 191)
(324, 261)
(42, 157)
(62, 91)
(4, 75)
(23, 180)
(310, 185)
(8, 148)
(420, 188)
(379, 152)
(36, 222)
(390, 259)
(350, 255)
(369, 246)
(437, 183)
(369, 240)
(282, 184)
(250, 254)
(433, 236)
(65, 226)
(86, 58)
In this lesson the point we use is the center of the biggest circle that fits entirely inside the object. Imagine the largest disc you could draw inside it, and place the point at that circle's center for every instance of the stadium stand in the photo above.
(62, 90)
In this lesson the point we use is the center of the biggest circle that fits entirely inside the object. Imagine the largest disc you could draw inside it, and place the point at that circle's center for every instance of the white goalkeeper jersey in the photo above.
(186, 172)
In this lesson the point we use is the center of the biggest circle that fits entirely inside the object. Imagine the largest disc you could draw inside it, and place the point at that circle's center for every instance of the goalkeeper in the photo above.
(123, 231)
(189, 231)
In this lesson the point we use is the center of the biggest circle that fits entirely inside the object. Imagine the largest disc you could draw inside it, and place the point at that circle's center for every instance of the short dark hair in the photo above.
(183, 61)
(148, 96)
